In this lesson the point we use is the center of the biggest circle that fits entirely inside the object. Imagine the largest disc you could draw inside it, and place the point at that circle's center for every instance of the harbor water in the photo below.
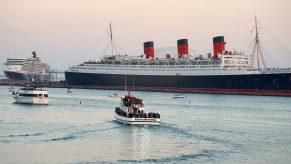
(79, 127)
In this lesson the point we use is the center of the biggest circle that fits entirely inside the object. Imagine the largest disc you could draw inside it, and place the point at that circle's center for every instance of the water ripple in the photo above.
(23, 135)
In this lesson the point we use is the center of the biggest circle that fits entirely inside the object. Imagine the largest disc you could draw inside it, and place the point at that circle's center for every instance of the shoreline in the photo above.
(62, 84)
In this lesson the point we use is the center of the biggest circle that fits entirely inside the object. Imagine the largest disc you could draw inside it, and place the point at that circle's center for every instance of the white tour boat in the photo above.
(131, 111)
(31, 95)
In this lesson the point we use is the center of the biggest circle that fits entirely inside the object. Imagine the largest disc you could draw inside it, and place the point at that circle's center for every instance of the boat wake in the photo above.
(23, 135)
(70, 137)
(173, 129)
(184, 157)
(60, 134)
(82, 132)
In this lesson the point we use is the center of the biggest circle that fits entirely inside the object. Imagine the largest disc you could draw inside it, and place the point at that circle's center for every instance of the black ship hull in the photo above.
(15, 75)
(12, 75)
(258, 84)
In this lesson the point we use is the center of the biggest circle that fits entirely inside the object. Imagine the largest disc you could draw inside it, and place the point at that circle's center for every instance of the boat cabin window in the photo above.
(27, 95)
(32, 95)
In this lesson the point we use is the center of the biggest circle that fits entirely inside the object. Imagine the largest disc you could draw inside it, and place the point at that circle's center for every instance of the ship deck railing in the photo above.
(96, 66)
(208, 66)
(158, 69)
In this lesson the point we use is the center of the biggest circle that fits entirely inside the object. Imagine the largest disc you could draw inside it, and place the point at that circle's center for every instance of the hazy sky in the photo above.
(69, 32)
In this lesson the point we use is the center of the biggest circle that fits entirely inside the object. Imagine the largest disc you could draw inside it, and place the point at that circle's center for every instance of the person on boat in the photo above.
(128, 109)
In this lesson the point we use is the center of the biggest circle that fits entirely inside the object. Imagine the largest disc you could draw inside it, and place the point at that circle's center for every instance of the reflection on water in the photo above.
(209, 129)
(140, 141)
(136, 143)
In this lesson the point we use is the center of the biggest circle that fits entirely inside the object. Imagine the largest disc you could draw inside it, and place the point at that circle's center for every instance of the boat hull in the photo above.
(257, 84)
(31, 100)
(137, 121)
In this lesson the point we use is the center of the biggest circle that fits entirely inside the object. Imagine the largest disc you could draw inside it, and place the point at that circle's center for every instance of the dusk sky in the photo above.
(69, 32)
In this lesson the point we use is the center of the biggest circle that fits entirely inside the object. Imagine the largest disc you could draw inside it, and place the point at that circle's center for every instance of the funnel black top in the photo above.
(182, 41)
(218, 39)
(148, 44)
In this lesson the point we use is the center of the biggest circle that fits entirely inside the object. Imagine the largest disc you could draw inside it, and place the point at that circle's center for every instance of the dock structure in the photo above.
(51, 84)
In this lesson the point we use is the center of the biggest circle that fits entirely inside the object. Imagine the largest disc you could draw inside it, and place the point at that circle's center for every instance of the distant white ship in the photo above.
(31, 69)
(115, 95)
(69, 90)
(177, 96)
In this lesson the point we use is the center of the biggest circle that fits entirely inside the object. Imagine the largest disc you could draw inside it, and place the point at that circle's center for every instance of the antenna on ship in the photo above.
(257, 48)
(111, 38)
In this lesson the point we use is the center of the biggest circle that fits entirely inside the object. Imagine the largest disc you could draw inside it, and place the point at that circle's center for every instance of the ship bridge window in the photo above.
(226, 62)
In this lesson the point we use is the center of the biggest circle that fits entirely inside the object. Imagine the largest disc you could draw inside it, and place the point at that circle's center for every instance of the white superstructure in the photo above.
(31, 69)
(227, 64)
(14, 64)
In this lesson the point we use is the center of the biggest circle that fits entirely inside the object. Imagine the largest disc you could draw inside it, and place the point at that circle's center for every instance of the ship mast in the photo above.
(111, 39)
(257, 48)
(257, 42)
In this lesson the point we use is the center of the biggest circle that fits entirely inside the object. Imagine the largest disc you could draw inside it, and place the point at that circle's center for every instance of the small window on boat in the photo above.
(45, 95)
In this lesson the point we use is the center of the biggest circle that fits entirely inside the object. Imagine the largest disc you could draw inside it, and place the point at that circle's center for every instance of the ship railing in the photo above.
(168, 71)
(277, 70)
(97, 66)
(271, 69)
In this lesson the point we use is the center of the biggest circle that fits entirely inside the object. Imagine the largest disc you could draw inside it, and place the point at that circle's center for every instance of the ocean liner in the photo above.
(223, 72)
(29, 69)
